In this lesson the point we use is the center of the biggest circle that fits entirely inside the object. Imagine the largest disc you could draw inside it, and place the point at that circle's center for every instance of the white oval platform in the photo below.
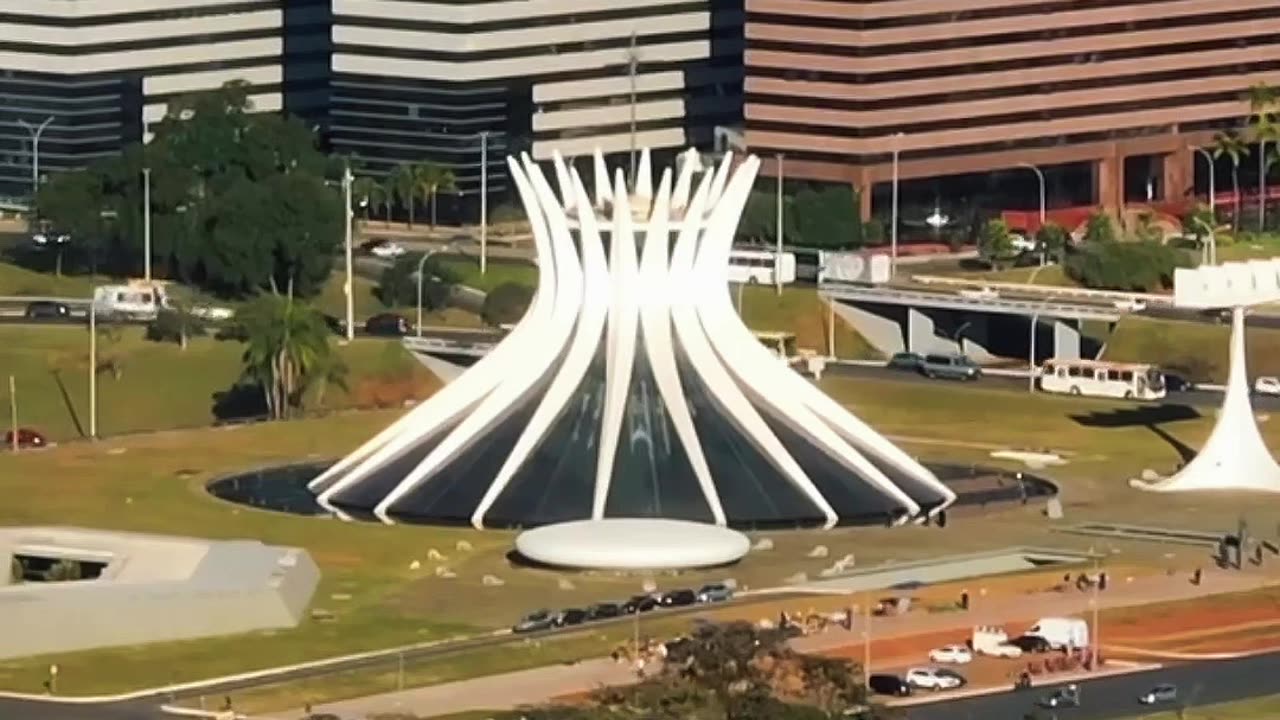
(632, 544)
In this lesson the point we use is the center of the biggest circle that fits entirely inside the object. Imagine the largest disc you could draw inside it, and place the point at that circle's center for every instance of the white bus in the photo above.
(1134, 381)
(757, 266)
(811, 265)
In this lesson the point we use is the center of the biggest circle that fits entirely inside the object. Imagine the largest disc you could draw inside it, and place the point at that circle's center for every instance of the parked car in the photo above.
(886, 684)
(984, 293)
(1130, 305)
(958, 654)
(950, 367)
(46, 309)
(603, 611)
(1177, 383)
(949, 673)
(932, 679)
(535, 621)
(678, 598)
(27, 438)
(639, 603)
(45, 239)
(1162, 693)
(905, 361)
(572, 616)
(387, 324)
(387, 250)
(1267, 385)
(1068, 696)
(715, 592)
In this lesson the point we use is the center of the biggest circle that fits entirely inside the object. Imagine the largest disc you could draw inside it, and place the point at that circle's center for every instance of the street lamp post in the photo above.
(93, 369)
(1213, 241)
(146, 224)
(1262, 184)
(422, 263)
(35, 133)
(1031, 356)
(633, 65)
(777, 256)
(893, 212)
(484, 204)
(1040, 178)
(348, 216)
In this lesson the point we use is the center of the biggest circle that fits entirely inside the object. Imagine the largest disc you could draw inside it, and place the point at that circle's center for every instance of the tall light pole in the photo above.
(484, 209)
(146, 224)
(1040, 178)
(633, 64)
(777, 256)
(893, 212)
(348, 217)
(93, 368)
(1213, 207)
(35, 133)
(1262, 184)
(422, 262)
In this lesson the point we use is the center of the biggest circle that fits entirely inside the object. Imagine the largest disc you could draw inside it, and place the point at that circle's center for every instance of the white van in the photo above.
(136, 300)
(1061, 632)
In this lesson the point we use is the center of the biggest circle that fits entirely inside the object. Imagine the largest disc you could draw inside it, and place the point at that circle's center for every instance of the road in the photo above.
(1199, 684)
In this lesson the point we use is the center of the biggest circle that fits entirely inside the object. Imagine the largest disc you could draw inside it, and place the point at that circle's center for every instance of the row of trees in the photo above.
(825, 217)
(1262, 124)
(408, 185)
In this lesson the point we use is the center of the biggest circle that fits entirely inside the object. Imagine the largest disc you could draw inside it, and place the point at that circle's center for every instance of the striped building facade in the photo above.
(416, 80)
(964, 86)
(103, 70)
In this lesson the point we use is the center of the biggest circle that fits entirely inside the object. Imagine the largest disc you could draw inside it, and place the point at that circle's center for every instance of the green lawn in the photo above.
(496, 272)
(1262, 708)
(801, 311)
(15, 280)
(1197, 350)
(160, 386)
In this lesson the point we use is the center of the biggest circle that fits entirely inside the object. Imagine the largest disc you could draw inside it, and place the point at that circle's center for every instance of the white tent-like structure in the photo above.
(631, 388)
(1235, 457)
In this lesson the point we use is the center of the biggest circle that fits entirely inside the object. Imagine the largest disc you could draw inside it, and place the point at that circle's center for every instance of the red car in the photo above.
(27, 438)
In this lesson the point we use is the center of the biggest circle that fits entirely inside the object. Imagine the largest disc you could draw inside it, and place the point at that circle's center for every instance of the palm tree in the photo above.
(405, 181)
(1230, 144)
(432, 179)
(1262, 105)
(385, 195)
(364, 189)
(287, 344)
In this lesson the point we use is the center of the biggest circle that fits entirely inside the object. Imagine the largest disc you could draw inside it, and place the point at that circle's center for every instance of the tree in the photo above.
(1230, 144)
(995, 244)
(1099, 228)
(506, 303)
(176, 323)
(287, 344)
(398, 284)
(431, 179)
(1052, 240)
(1262, 105)
(367, 193)
(828, 218)
(74, 201)
(405, 181)
(1128, 267)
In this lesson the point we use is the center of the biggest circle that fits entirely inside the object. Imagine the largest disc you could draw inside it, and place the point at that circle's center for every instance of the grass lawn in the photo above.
(1197, 350)
(1255, 709)
(801, 311)
(154, 483)
(1050, 275)
(497, 272)
(332, 301)
(15, 280)
(160, 386)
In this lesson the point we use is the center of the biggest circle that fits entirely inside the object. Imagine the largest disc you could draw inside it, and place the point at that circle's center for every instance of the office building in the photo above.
(1127, 86)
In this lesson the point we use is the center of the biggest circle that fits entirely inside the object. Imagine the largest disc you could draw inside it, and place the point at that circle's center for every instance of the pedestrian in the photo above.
(1102, 580)
(1197, 576)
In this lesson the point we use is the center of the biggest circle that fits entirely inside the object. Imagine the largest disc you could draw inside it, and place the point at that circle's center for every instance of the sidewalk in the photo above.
(538, 685)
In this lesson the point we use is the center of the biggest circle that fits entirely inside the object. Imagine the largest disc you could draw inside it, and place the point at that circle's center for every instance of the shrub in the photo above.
(1052, 239)
(995, 244)
(175, 326)
(506, 303)
(398, 284)
(1131, 267)
(1100, 228)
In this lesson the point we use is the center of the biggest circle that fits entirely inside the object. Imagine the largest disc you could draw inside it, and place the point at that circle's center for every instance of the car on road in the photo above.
(949, 673)
(572, 616)
(957, 654)
(1130, 305)
(41, 309)
(1267, 385)
(535, 621)
(927, 678)
(678, 598)
(640, 604)
(984, 293)
(1177, 383)
(1068, 696)
(905, 361)
(1031, 644)
(715, 592)
(887, 684)
(387, 324)
(45, 239)
(27, 438)
(950, 367)
(385, 249)
(1162, 693)
(603, 611)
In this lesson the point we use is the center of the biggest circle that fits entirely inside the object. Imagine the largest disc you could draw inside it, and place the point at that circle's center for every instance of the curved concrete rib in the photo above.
(775, 387)
(521, 377)
(655, 321)
(594, 304)
(453, 400)
(620, 353)
(723, 389)
(600, 176)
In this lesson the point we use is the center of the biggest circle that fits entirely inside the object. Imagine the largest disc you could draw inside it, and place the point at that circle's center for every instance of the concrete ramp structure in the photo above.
(1235, 457)
(145, 589)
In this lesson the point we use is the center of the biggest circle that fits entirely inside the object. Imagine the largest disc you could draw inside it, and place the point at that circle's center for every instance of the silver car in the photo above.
(1162, 693)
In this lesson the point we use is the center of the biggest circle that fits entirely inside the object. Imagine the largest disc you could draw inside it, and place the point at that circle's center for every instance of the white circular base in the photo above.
(632, 544)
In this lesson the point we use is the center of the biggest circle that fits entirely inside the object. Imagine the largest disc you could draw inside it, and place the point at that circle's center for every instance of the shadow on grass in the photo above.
(66, 400)
(1150, 417)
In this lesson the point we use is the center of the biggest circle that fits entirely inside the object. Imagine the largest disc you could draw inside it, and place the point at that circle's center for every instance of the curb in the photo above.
(1168, 655)
(1125, 668)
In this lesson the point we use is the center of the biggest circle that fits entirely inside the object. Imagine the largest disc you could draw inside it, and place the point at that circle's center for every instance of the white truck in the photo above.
(1061, 632)
(993, 641)
(136, 300)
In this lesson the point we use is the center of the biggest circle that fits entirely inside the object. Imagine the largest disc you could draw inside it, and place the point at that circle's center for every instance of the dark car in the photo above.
(1177, 383)
(535, 621)
(27, 438)
(1162, 693)
(1068, 696)
(886, 684)
(639, 603)
(679, 598)
(388, 324)
(47, 309)
(603, 611)
(572, 616)
(1031, 644)
(905, 361)
(368, 246)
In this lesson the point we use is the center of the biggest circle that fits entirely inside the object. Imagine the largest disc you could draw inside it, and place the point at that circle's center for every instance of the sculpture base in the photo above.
(632, 544)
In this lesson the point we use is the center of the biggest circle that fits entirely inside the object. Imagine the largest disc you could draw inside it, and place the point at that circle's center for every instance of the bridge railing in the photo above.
(1046, 290)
